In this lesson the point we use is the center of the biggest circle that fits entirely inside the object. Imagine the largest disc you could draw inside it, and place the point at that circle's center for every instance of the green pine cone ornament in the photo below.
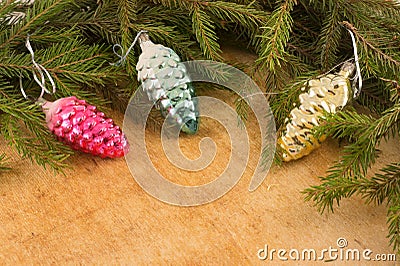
(329, 93)
(167, 83)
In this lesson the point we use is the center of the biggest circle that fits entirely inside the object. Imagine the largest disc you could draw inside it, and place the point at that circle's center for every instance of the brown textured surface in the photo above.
(98, 213)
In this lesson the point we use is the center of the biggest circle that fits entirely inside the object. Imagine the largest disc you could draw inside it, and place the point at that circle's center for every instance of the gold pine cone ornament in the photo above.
(329, 93)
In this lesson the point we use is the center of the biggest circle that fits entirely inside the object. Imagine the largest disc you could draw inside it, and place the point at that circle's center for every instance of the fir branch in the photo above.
(154, 16)
(304, 52)
(96, 20)
(361, 154)
(394, 90)
(180, 4)
(275, 36)
(242, 110)
(374, 8)
(4, 162)
(14, 65)
(375, 95)
(42, 147)
(204, 30)
(74, 61)
(35, 17)
(241, 102)
(330, 191)
(69, 88)
(384, 186)
(119, 93)
(393, 220)
(347, 124)
(369, 46)
(245, 15)
(329, 38)
(126, 16)
(33, 148)
(170, 37)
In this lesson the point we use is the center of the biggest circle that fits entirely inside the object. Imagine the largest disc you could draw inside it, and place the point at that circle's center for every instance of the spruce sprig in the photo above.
(382, 187)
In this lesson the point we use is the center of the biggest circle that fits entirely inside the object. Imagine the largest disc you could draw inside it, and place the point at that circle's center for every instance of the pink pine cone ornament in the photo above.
(84, 128)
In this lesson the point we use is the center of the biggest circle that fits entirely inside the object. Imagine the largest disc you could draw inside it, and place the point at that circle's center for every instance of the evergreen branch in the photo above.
(70, 88)
(154, 16)
(181, 4)
(330, 191)
(385, 185)
(32, 148)
(14, 65)
(275, 36)
(6, 9)
(203, 28)
(242, 110)
(80, 76)
(375, 95)
(388, 123)
(4, 161)
(241, 14)
(377, 8)
(304, 28)
(19, 109)
(119, 94)
(241, 102)
(347, 124)
(126, 16)
(44, 149)
(40, 11)
(77, 62)
(172, 38)
(361, 154)
(329, 38)
(126, 13)
(394, 90)
(368, 45)
(60, 55)
(378, 15)
(301, 51)
(42, 37)
(246, 19)
(95, 19)
(393, 219)
(206, 15)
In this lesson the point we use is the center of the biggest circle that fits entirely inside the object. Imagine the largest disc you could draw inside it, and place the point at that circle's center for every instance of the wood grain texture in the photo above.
(97, 213)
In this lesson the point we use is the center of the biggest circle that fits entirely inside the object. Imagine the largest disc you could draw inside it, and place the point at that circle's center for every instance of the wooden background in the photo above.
(97, 213)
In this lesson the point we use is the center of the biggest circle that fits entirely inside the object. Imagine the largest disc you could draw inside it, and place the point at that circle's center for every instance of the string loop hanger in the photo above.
(43, 73)
(357, 76)
(122, 57)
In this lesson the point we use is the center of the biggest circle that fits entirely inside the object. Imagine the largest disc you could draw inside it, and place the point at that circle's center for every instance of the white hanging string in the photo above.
(358, 74)
(122, 56)
(39, 69)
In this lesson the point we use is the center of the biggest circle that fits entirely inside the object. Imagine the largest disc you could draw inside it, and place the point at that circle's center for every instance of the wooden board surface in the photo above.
(97, 213)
